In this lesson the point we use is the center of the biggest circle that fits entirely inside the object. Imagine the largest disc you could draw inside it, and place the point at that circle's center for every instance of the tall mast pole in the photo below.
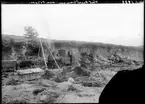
(43, 53)
(53, 57)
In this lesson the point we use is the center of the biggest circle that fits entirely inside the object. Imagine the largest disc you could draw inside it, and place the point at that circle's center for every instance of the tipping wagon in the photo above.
(9, 65)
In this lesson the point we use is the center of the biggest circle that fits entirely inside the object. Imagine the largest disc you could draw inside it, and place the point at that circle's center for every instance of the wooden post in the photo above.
(43, 53)
(38, 51)
(53, 58)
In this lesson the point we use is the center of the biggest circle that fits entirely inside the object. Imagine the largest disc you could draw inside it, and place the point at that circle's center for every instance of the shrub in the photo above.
(86, 83)
(49, 96)
(72, 88)
(60, 79)
(36, 91)
(82, 71)
(84, 66)
(47, 75)
(67, 69)
(87, 60)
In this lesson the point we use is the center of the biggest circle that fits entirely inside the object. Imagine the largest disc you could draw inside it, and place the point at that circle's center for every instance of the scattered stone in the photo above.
(71, 80)
(43, 97)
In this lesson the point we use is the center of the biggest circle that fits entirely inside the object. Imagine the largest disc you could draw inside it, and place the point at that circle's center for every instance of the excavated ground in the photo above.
(57, 89)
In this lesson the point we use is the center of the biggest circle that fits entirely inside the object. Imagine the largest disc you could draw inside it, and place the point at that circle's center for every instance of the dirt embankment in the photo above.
(104, 50)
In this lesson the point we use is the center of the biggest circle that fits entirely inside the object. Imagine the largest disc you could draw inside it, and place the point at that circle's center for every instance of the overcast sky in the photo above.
(120, 24)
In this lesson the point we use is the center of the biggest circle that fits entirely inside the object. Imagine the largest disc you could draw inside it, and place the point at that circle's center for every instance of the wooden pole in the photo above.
(53, 58)
(43, 53)
(39, 52)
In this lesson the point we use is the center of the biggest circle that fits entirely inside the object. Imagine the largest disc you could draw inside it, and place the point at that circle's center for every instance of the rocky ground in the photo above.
(45, 90)
(61, 93)
(54, 87)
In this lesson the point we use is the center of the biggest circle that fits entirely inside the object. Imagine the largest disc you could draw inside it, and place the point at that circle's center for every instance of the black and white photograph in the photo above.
(72, 53)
